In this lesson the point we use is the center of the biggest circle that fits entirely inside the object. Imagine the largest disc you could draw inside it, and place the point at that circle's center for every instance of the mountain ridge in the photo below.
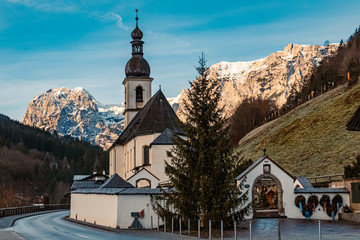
(76, 113)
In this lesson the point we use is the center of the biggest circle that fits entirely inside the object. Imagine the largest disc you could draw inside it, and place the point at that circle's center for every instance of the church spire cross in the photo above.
(137, 18)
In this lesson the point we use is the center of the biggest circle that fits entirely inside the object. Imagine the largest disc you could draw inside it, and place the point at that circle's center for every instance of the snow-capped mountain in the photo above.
(272, 77)
(76, 113)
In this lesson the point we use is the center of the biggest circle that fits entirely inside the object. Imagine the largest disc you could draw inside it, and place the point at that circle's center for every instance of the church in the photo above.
(136, 159)
(139, 154)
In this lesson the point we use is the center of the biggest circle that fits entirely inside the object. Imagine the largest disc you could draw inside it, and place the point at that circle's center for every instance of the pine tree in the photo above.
(202, 170)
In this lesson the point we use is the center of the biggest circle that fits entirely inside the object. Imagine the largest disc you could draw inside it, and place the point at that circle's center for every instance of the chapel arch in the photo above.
(143, 183)
(276, 191)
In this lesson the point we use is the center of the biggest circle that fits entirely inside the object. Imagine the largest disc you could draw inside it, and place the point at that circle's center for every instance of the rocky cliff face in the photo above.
(273, 77)
(76, 113)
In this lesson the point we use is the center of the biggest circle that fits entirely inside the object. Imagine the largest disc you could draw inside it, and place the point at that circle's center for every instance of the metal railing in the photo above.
(326, 178)
(4, 212)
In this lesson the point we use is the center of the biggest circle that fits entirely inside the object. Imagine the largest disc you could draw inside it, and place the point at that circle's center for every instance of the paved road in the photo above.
(299, 229)
(53, 226)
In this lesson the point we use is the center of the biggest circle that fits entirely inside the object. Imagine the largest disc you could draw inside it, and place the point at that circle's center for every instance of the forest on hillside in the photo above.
(37, 163)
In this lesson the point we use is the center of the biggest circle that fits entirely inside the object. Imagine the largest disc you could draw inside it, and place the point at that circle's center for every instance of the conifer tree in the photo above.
(202, 170)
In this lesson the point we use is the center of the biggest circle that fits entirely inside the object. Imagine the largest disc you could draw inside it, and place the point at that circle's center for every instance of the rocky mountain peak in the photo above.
(273, 77)
(76, 113)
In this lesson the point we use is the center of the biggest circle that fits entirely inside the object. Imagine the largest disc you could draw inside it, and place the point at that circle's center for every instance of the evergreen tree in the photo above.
(202, 170)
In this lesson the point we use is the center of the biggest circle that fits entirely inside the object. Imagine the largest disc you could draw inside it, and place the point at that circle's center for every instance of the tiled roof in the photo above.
(140, 191)
(85, 185)
(107, 191)
(321, 190)
(304, 182)
(115, 181)
(165, 138)
(257, 162)
(80, 177)
(155, 117)
(120, 191)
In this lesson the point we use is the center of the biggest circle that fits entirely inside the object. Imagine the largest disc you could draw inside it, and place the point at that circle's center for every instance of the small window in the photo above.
(355, 192)
(139, 94)
(146, 155)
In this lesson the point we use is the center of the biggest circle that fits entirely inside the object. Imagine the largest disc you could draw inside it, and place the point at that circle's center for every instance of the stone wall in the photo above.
(350, 217)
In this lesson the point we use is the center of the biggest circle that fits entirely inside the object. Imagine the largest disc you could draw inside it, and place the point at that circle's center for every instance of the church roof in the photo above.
(85, 185)
(321, 190)
(120, 191)
(304, 182)
(156, 116)
(165, 138)
(115, 181)
(256, 163)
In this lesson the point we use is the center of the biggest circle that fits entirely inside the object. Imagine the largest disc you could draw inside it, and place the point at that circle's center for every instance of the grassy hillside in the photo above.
(311, 139)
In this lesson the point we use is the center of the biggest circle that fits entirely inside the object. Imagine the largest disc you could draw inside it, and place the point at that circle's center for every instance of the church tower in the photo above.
(137, 81)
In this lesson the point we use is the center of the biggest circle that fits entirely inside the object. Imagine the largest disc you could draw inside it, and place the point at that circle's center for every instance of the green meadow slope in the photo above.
(311, 139)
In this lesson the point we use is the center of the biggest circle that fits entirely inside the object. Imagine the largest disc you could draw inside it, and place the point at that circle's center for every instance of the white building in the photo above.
(150, 124)
(137, 158)
(272, 191)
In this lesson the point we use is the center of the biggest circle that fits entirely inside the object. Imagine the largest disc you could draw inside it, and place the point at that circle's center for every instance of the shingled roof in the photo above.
(115, 181)
(165, 138)
(155, 117)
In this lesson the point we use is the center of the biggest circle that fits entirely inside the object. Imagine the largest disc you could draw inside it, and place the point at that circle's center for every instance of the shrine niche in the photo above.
(267, 196)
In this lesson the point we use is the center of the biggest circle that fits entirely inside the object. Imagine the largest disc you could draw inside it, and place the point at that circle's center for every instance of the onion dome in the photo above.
(137, 66)
(137, 34)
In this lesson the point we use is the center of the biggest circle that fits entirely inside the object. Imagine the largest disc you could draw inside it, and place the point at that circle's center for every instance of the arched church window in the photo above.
(139, 94)
(146, 155)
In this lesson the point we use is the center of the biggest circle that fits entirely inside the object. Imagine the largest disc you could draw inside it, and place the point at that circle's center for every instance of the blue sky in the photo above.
(86, 43)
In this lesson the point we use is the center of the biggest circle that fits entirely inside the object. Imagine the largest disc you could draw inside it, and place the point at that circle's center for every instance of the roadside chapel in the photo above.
(274, 192)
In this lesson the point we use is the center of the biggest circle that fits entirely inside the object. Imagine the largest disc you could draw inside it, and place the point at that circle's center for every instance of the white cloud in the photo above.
(108, 17)
(62, 6)
(46, 5)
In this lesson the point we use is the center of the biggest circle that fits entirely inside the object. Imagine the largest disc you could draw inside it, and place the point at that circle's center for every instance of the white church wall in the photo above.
(94, 208)
(142, 141)
(319, 212)
(158, 158)
(129, 158)
(117, 161)
(135, 203)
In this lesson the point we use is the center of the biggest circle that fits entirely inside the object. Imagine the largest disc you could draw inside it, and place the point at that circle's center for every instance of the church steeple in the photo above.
(137, 82)
(137, 66)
